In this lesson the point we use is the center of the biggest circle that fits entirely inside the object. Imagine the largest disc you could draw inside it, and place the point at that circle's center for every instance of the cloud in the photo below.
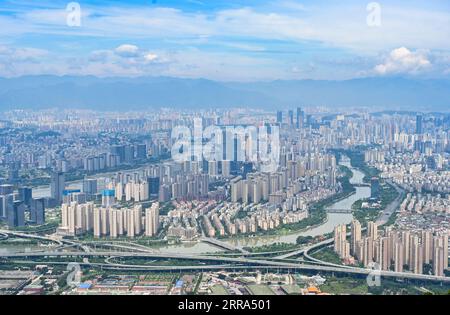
(403, 61)
(150, 57)
(100, 56)
(342, 25)
(120, 61)
(132, 53)
(22, 54)
(127, 50)
(154, 39)
(129, 60)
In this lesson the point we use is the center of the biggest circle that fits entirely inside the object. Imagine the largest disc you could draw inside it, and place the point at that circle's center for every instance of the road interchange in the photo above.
(244, 261)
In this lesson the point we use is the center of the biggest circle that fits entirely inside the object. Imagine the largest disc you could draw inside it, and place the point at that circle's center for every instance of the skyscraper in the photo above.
(291, 118)
(119, 150)
(108, 197)
(341, 246)
(419, 122)
(385, 254)
(141, 151)
(25, 195)
(152, 220)
(398, 257)
(129, 154)
(90, 186)
(16, 214)
(57, 186)
(355, 236)
(153, 185)
(226, 168)
(299, 118)
(37, 211)
(438, 261)
(279, 117)
(6, 203)
(372, 230)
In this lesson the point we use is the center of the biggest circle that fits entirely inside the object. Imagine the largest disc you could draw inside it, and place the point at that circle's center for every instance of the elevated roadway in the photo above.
(224, 245)
(239, 263)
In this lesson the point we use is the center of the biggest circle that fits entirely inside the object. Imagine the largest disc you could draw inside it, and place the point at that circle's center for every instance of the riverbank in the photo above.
(365, 214)
(330, 219)
(390, 196)
(317, 213)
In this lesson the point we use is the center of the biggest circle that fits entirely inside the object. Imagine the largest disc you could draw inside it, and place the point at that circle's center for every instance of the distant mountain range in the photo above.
(87, 92)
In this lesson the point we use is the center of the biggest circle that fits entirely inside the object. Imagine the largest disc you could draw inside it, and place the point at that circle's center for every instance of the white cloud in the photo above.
(131, 53)
(403, 61)
(256, 34)
(22, 54)
(127, 50)
(340, 25)
(150, 57)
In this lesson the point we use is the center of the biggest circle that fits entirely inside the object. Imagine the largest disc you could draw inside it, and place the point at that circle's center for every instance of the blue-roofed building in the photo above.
(67, 192)
(108, 193)
(108, 197)
(85, 286)
(73, 194)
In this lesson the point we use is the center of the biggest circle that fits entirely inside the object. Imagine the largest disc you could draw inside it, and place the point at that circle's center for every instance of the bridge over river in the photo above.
(339, 210)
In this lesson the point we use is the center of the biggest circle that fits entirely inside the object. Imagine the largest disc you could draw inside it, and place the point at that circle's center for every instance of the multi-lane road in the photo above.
(199, 262)
(230, 263)
(393, 206)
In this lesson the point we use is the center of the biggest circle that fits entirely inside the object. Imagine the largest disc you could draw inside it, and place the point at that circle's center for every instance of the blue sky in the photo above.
(227, 40)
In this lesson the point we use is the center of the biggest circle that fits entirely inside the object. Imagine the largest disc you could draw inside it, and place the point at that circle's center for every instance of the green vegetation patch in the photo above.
(327, 254)
(219, 289)
(291, 289)
(260, 289)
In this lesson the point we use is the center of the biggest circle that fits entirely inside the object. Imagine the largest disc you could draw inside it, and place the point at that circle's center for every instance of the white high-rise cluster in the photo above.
(110, 222)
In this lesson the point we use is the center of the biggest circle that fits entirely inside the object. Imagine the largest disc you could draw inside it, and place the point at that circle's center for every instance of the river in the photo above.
(333, 219)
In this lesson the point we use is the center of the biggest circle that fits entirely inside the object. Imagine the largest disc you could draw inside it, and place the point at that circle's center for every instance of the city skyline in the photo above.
(232, 147)
(108, 188)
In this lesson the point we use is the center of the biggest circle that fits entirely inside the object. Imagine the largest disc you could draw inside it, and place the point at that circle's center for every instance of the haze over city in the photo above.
(395, 55)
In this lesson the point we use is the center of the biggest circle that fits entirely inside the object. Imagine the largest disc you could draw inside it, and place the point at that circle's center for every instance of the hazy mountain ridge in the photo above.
(150, 92)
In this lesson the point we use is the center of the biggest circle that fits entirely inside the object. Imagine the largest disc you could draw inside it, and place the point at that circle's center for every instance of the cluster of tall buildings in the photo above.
(132, 191)
(78, 219)
(127, 153)
(219, 168)
(374, 156)
(297, 174)
(19, 208)
(397, 250)
(251, 190)
(414, 171)
(75, 142)
(101, 162)
(165, 181)
(185, 187)
(63, 149)
(297, 122)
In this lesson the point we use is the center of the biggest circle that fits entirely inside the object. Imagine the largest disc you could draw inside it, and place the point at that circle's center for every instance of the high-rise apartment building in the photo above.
(57, 186)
